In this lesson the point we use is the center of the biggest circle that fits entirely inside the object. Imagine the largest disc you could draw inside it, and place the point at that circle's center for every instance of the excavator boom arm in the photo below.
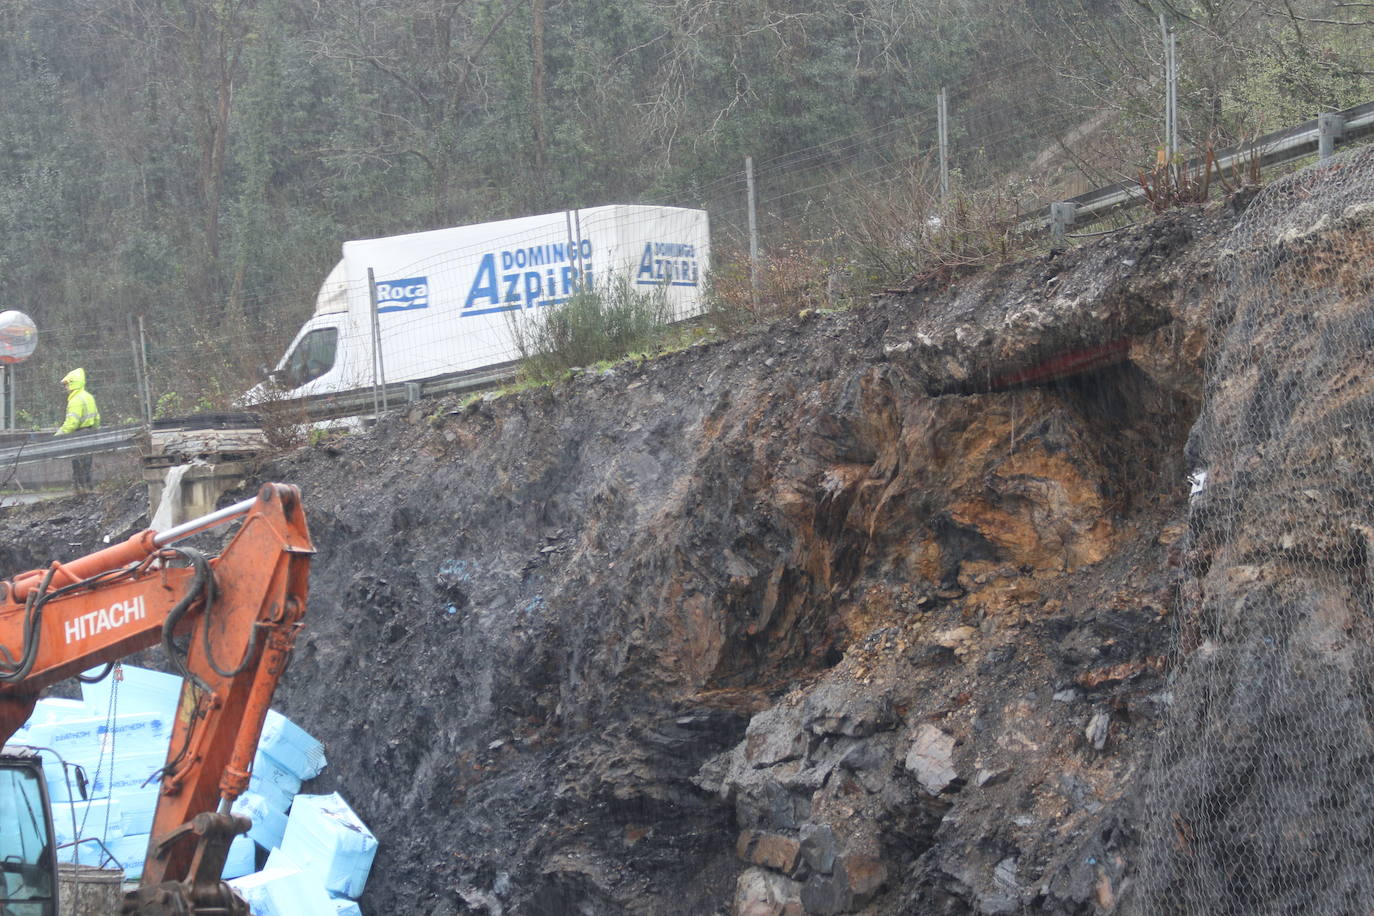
(236, 614)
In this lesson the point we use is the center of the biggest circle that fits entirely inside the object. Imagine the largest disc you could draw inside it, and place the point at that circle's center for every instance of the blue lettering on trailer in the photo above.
(537, 276)
(668, 264)
(403, 295)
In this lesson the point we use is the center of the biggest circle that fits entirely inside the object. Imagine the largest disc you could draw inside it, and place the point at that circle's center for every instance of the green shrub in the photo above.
(592, 326)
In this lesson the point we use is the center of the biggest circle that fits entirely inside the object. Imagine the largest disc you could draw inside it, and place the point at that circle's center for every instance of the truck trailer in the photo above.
(454, 300)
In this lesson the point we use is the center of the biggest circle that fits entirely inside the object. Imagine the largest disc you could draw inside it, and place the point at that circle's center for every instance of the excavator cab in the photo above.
(28, 862)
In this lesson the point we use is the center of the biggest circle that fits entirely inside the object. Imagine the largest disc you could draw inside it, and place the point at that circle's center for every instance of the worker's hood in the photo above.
(75, 380)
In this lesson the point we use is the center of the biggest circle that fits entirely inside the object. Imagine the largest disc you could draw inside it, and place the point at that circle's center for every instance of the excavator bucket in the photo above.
(203, 892)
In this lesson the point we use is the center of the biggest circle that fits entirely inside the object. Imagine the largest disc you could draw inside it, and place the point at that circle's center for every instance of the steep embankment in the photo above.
(861, 610)
(540, 626)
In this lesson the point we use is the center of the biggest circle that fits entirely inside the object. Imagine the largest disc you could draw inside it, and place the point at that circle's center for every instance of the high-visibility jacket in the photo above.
(81, 410)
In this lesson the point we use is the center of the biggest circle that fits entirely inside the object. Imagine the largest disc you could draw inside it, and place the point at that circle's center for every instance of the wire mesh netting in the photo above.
(1261, 798)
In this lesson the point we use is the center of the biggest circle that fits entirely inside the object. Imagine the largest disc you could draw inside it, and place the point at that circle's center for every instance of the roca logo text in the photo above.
(403, 295)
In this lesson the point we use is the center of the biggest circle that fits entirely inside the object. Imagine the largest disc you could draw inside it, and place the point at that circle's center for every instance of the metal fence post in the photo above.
(143, 368)
(140, 381)
(378, 368)
(1170, 41)
(1330, 128)
(753, 225)
(942, 123)
(1061, 218)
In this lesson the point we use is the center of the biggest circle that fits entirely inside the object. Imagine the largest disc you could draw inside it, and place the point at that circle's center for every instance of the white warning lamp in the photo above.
(18, 337)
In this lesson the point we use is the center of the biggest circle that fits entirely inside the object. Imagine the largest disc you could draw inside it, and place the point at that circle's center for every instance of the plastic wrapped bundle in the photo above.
(293, 749)
(139, 690)
(56, 709)
(325, 838)
(91, 819)
(269, 824)
(344, 907)
(126, 772)
(272, 780)
(283, 892)
(64, 784)
(241, 860)
(130, 852)
(83, 740)
(137, 806)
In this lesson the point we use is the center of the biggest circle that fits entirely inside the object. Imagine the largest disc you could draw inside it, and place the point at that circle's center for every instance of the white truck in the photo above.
(453, 300)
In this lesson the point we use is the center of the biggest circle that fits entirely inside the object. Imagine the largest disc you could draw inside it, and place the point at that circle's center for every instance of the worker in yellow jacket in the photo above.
(81, 414)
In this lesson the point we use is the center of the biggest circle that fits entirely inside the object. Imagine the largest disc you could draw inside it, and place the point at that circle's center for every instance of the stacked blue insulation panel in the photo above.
(116, 738)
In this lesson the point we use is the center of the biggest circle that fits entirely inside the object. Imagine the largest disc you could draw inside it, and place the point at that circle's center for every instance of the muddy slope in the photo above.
(861, 612)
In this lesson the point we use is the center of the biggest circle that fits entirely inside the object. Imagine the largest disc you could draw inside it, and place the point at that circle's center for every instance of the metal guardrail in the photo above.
(360, 401)
(1277, 148)
(46, 447)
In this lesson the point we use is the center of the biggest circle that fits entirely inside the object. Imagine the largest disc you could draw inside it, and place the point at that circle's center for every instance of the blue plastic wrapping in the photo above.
(139, 689)
(268, 772)
(346, 907)
(129, 851)
(119, 786)
(279, 799)
(84, 739)
(91, 819)
(56, 709)
(295, 750)
(283, 892)
(241, 860)
(59, 786)
(127, 771)
(269, 824)
(327, 839)
(137, 807)
(274, 782)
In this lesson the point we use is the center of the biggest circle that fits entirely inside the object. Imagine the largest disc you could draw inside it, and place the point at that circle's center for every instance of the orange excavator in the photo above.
(228, 624)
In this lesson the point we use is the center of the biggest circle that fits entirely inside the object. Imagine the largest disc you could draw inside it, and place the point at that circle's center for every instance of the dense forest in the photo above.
(198, 162)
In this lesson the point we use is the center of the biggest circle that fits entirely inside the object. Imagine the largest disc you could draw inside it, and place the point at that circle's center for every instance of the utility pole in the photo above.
(753, 226)
(942, 120)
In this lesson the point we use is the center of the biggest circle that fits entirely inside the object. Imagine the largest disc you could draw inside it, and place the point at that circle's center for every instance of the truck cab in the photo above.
(28, 861)
(318, 356)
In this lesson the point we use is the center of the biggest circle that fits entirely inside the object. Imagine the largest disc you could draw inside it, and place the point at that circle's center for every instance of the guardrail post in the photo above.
(1330, 128)
(1061, 218)
(412, 392)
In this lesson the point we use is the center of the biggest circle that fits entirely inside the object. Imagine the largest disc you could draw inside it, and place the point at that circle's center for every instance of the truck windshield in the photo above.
(26, 863)
(312, 358)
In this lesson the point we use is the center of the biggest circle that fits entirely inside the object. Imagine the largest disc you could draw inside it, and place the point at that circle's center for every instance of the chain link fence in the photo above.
(1260, 796)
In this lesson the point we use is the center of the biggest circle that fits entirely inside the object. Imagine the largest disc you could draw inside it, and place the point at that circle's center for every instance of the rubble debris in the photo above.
(760, 892)
(771, 850)
(931, 759)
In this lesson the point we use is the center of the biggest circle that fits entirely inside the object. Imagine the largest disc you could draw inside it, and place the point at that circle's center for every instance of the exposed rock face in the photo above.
(857, 614)
(662, 640)
(1093, 305)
